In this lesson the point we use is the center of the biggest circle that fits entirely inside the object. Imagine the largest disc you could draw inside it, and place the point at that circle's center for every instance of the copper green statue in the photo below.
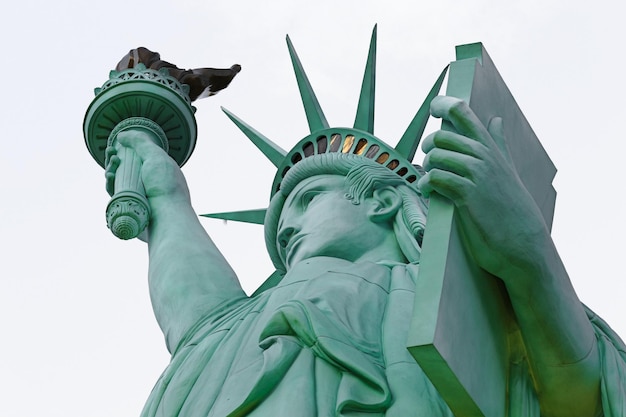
(349, 231)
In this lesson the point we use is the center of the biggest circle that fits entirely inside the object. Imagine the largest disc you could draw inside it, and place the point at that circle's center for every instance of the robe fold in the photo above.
(329, 340)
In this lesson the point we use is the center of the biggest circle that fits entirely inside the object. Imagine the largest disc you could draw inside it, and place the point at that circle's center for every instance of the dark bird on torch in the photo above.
(202, 82)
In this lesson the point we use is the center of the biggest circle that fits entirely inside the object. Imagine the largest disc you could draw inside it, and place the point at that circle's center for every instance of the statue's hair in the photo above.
(363, 176)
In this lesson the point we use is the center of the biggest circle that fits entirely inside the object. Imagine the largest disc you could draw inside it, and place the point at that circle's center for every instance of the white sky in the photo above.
(79, 338)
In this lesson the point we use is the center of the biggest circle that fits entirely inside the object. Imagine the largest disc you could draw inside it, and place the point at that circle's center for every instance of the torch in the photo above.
(145, 99)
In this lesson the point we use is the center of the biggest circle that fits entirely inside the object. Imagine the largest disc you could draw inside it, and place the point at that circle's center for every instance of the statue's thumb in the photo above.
(496, 130)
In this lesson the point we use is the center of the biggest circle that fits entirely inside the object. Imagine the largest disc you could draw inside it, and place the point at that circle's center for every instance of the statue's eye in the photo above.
(308, 197)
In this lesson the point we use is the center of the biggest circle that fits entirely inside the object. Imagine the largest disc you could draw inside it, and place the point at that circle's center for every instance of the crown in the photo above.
(358, 140)
(323, 139)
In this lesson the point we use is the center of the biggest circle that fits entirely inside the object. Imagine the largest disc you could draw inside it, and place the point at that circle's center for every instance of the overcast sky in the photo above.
(79, 337)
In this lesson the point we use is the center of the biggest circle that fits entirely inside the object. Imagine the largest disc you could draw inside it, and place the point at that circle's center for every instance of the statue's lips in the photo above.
(292, 246)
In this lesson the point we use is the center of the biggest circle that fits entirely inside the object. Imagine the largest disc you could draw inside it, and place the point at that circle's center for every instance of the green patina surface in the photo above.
(372, 254)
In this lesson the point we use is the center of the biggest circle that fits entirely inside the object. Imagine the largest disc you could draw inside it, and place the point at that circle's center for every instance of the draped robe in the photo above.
(329, 340)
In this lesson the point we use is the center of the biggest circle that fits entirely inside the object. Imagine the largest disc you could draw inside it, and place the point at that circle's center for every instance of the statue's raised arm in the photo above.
(140, 127)
(188, 276)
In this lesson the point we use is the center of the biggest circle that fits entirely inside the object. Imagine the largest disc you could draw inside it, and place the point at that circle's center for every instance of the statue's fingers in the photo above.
(112, 164)
(428, 144)
(424, 185)
(463, 119)
(110, 182)
(447, 160)
(141, 142)
(445, 139)
(108, 153)
(496, 130)
(445, 183)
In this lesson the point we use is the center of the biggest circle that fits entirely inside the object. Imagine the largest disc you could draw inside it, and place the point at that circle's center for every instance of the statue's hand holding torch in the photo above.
(155, 101)
(128, 212)
(147, 101)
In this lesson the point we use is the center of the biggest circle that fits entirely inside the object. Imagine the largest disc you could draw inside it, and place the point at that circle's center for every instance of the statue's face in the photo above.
(318, 220)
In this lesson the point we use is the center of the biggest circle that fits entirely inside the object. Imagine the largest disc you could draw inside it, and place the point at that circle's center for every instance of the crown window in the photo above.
(322, 143)
(308, 149)
(382, 158)
(393, 164)
(335, 142)
(372, 151)
(360, 147)
(347, 144)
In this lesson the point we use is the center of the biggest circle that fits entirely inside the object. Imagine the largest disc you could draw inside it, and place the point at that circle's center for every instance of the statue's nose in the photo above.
(284, 236)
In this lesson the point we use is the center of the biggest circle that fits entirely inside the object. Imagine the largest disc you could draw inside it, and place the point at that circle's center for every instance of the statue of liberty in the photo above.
(327, 334)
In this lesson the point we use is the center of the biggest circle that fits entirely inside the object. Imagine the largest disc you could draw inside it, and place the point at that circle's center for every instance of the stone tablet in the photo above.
(462, 333)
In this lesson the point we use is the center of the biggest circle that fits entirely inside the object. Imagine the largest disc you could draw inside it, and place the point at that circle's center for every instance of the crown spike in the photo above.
(365, 110)
(407, 146)
(314, 114)
(256, 216)
(272, 151)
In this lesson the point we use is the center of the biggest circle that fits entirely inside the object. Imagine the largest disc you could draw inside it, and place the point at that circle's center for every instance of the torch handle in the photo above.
(128, 211)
